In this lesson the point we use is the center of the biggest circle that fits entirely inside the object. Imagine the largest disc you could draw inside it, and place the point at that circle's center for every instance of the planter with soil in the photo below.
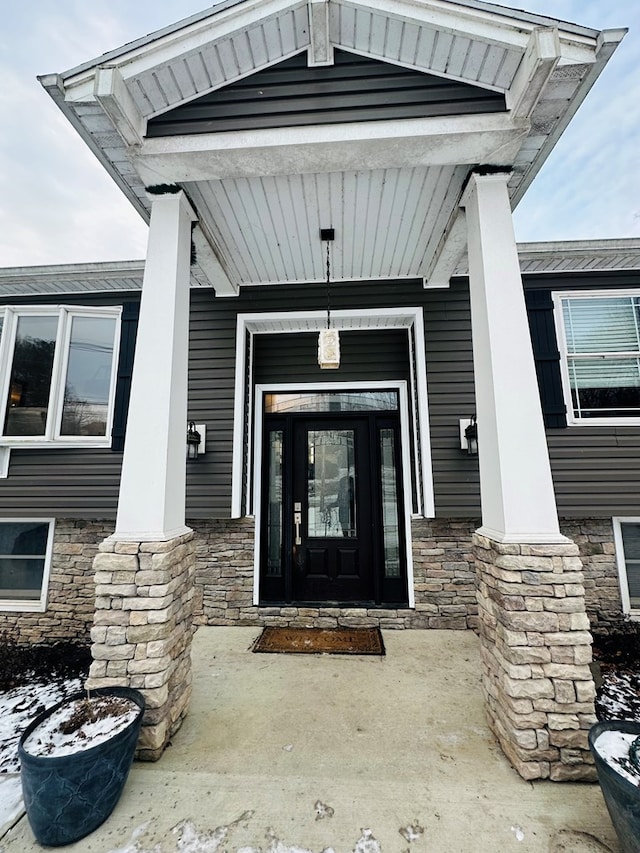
(615, 746)
(74, 762)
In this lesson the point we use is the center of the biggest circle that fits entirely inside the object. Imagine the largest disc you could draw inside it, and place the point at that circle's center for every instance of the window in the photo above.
(627, 540)
(58, 374)
(25, 558)
(599, 338)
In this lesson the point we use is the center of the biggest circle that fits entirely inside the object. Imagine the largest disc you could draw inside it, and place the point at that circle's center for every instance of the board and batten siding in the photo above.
(67, 482)
(596, 469)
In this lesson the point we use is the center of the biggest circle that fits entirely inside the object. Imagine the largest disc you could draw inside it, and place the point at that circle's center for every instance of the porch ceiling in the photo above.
(390, 188)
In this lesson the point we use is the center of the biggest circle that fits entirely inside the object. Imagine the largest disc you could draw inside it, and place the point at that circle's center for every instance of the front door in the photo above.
(332, 515)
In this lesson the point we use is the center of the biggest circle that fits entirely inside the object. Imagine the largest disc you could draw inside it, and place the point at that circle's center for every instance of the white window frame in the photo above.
(633, 613)
(558, 297)
(65, 314)
(39, 605)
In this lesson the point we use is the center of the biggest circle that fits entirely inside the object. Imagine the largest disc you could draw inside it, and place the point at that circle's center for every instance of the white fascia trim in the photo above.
(561, 337)
(502, 28)
(492, 138)
(618, 521)
(40, 605)
(306, 321)
(401, 387)
(169, 47)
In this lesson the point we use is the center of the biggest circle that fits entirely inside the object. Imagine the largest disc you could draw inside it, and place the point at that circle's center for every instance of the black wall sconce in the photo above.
(469, 435)
(195, 440)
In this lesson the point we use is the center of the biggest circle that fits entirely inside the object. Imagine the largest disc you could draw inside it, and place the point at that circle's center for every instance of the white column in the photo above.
(518, 501)
(152, 490)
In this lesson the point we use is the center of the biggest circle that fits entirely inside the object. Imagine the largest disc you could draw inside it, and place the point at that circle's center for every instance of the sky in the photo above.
(58, 205)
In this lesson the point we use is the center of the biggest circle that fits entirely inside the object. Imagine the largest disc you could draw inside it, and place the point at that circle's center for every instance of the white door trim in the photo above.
(291, 322)
(282, 388)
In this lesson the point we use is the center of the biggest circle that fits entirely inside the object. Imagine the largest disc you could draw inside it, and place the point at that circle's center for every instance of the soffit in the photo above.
(473, 42)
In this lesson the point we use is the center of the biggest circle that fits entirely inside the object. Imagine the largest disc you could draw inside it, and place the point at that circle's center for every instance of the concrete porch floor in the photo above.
(299, 753)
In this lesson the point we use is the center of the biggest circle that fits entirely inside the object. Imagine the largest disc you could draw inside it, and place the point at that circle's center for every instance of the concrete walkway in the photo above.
(297, 753)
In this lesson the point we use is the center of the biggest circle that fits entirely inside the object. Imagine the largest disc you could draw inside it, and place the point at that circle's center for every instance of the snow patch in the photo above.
(411, 832)
(323, 810)
(11, 805)
(518, 832)
(613, 747)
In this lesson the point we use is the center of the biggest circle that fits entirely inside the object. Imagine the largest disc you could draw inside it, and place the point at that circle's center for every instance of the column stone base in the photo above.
(142, 630)
(536, 651)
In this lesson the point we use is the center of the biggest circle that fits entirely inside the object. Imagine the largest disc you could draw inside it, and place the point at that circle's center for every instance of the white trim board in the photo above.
(618, 521)
(311, 321)
(401, 387)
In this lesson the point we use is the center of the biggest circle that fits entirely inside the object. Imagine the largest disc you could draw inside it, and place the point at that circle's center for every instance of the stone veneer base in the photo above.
(536, 651)
(143, 628)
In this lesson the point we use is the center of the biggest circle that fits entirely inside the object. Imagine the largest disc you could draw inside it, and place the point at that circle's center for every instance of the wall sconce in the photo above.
(469, 435)
(196, 438)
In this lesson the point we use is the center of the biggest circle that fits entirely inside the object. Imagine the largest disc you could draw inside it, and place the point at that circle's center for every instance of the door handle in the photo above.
(297, 521)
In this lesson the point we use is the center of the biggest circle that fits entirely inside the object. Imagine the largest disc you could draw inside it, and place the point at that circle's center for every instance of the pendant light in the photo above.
(328, 339)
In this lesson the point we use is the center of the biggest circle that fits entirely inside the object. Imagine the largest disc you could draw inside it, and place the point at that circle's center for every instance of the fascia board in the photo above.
(162, 47)
(608, 41)
(54, 85)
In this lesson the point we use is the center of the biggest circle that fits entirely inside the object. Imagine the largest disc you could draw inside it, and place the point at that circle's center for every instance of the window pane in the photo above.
(88, 380)
(347, 401)
(596, 325)
(30, 384)
(631, 547)
(23, 546)
(23, 537)
(605, 387)
(21, 578)
(274, 510)
(390, 526)
(331, 509)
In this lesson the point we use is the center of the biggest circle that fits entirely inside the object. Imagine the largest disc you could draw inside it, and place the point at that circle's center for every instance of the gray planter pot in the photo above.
(68, 796)
(621, 796)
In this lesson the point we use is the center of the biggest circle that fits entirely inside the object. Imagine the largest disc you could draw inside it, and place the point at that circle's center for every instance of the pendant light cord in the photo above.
(328, 285)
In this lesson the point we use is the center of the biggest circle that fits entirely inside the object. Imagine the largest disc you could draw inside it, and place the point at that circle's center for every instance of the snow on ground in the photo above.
(18, 707)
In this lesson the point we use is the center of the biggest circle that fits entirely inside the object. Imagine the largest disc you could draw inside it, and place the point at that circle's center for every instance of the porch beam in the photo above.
(492, 139)
(111, 92)
(534, 72)
(449, 251)
(516, 489)
(321, 50)
(210, 264)
(151, 506)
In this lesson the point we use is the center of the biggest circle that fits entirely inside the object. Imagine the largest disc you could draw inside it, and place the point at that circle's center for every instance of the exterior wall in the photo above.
(444, 582)
(594, 538)
(71, 598)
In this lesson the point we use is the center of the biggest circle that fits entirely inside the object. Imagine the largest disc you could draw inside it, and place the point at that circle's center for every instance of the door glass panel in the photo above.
(274, 507)
(30, 382)
(331, 478)
(390, 528)
(337, 401)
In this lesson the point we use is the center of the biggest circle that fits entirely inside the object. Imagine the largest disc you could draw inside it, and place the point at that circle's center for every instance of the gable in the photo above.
(354, 89)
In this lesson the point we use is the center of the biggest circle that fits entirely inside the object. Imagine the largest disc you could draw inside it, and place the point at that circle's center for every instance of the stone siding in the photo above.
(594, 538)
(444, 582)
(536, 652)
(142, 630)
(71, 594)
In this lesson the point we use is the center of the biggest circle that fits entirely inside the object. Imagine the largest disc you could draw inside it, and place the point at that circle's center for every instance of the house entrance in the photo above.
(333, 522)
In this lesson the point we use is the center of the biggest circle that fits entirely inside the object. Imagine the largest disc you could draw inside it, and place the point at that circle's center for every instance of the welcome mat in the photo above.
(321, 641)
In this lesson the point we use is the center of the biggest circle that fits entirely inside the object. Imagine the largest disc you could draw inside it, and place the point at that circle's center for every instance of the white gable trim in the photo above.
(307, 321)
